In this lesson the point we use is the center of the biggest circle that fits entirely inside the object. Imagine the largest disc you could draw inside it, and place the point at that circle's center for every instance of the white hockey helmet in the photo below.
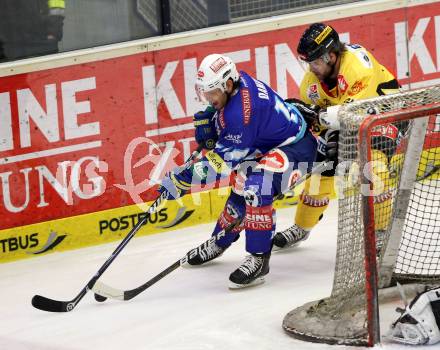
(215, 70)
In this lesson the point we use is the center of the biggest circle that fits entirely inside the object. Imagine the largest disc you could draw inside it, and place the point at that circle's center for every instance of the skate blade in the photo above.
(277, 249)
(257, 281)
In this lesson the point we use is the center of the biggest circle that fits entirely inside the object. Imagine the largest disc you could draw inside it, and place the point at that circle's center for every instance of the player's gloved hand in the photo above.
(205, 132)
(310, 113)
(176, 183)
(328, 144)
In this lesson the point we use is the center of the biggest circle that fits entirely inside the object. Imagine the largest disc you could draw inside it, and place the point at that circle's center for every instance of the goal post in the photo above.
(388, 216)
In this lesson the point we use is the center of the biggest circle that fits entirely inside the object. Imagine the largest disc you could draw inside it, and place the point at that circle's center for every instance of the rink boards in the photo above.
(76, 127)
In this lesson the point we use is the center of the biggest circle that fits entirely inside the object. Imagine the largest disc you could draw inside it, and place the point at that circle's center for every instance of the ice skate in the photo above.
(204, 253)
(251, 272)
(289, 238)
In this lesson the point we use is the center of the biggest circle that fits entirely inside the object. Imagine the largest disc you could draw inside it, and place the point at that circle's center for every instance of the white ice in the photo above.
(190, 309)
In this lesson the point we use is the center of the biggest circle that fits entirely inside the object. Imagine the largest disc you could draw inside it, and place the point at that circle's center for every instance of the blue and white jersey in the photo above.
(254, 121)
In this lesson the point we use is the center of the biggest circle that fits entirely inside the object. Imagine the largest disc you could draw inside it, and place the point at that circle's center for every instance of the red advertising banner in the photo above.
(75, 140)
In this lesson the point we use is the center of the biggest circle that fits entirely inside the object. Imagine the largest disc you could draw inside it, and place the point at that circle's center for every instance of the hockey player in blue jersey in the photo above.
(250, 132)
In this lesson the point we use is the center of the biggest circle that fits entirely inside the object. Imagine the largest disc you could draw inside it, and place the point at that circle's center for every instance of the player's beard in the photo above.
(329, 80)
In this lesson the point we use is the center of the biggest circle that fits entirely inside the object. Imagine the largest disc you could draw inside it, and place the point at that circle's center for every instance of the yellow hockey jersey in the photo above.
(360, 76)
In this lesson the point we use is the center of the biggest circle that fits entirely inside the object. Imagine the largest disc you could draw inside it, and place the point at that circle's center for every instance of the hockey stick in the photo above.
(47, 304)
(104, 291)
(431, 172)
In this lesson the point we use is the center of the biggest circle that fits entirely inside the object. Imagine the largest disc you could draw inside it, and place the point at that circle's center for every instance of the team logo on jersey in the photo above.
(356, 88)
(275, 161)
(246, 105)
(200, 74)
(217, 64)
(312, 92)
(342, 84)
(252, 196)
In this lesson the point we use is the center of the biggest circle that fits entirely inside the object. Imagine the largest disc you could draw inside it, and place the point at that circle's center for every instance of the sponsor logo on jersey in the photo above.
(259, 218)
(312, 92)
(389, 131)
(356, 88)
(217, 64)
(246, 105)
(234, 138)
(314, 202)
(342, 83)
(221, 120)
(327, 30)
(274, 161)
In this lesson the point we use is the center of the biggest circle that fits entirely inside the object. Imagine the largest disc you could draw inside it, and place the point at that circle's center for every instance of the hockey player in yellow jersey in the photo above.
(338, 73)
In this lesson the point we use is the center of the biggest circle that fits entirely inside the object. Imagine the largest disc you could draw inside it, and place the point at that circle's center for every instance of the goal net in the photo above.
(389, 214)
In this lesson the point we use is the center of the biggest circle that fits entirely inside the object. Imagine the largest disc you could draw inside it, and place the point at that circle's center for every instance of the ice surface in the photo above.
(190, 309)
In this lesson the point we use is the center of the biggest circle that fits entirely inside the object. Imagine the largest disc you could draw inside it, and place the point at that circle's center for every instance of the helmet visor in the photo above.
(207, 96)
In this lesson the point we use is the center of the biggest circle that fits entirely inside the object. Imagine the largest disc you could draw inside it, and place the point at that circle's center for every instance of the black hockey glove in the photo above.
(310, 113)
(328, 145)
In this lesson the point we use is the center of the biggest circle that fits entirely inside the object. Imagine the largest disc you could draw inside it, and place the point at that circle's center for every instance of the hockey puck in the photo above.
(100, 298)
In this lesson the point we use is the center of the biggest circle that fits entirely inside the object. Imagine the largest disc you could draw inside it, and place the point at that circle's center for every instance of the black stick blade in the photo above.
(46, 304)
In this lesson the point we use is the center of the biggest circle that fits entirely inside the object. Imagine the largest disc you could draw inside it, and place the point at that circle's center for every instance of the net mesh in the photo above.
(341, 318)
